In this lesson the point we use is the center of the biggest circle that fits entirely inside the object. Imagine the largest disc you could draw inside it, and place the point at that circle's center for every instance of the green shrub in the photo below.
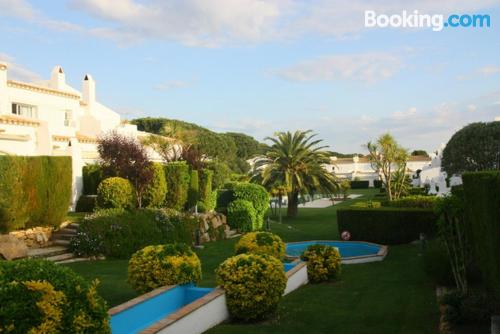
(209, 204)
(258, 196)
(224, 197)
(92, 175)
(415, 201)
(482, 210)
(38, 296)
(254, 285)
(323, 263)
(156, 266)
(387, 225)
(194, 190)
(437, 264)
(358, 184)
(117, 233)
(86, 203)
(377, 183)
(367, 204)
(473, 307)
(264, 243)
(154, 194)
(115, 192)
(177, 176)
(242, 215)
(422, 191)
(34, 191)
(206, 191)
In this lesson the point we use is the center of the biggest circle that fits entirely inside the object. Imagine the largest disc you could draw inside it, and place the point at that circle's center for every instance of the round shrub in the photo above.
(38, 296)
(154, 194)
(115, 192)
(261, 243)
(323, 263)
(242, 215)
(254, 285)
(156, 266)
(258, 196)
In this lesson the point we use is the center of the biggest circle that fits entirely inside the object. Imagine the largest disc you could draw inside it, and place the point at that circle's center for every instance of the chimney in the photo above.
(4, 101)
(3, 74)
(57, 78)
(88, 89)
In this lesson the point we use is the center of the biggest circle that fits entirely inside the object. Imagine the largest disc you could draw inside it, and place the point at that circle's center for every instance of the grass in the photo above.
(392, 296)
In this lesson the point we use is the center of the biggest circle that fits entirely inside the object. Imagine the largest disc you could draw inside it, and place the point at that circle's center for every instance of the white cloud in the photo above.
(169, 85)
(368, 67)
(16, 71)
(18, 8)
(488, 70)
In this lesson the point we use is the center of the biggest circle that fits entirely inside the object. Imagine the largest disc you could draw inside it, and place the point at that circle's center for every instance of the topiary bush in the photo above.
(261, 243)
(414, 201)
(258, 196)
(241, 215)
(156, 266)
(154, 194)
(194, 190)
(254, 285)
(323, 263)
(177, 176)
(115, 192)
(38, 296)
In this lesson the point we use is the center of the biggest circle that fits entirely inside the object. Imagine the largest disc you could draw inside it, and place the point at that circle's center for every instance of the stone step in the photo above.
(61, 257)
(73, 225)
(46, 251)
(62, 236)
(75, 259)
(66, 230)
(232, 234)
(61, 242)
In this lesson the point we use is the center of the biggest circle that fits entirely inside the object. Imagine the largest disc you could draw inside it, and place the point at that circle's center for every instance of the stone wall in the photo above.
(213, 226)
(34, 237)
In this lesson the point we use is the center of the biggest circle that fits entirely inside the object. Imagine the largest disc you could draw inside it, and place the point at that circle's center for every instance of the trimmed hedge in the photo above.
(34, 191)
(177, 176)
(86, 203)
(258, 196)
(206, 193)
(360, 184)
(194, 190)
(92, 176)
(263, 243)
(154, 194)
(377, 183)
(414, 201)
(387, 225)
(115, 192)
(482, 210)
(242, 215)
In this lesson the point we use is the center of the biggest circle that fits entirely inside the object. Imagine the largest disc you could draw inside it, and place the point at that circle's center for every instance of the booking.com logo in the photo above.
(416, 20)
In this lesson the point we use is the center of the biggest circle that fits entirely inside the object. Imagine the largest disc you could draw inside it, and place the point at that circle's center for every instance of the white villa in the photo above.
(53, 118)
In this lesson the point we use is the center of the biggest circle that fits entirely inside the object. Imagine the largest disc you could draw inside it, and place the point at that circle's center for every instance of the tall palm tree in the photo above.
(296, 162)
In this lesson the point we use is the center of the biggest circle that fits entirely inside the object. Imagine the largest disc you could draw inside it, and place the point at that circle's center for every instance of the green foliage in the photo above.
(482, 210)
(344, 188)
(420, 153)
(416, 201)
(221, 173)
(154, 194)
(254, 285)
(366, 204)
(92, 175)
(115, 192)
(224, 198)
(359, 184)
(194, 190)
(38, 296)
(177, 176)
(156, 266)
(116, 233)
(387, 225)
(34, 191)
(472, 307)
(205, 176)
(377, 183)
(323, 263)
(86, 203)
(242, 215)
(473, 148)
(258, 197)
(437, 264)
(261, 243)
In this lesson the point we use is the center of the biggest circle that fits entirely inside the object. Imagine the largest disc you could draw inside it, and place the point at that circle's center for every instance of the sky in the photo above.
(258, 67)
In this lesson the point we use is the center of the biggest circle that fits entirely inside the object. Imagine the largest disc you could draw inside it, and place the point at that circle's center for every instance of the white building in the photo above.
(52, 118)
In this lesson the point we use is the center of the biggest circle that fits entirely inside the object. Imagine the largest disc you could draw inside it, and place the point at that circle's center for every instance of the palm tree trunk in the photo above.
(293, 203)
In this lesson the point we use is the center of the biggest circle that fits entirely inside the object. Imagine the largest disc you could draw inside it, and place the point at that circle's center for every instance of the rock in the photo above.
(205, 238)
(12, 248)
(216, 222)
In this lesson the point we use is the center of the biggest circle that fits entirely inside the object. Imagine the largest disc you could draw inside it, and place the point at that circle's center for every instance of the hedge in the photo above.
(413, 201)
(377, 183)
(224, 197)
(34, 191)
(194, 190)
(482, 210)
(258, 196)
(177, 176)
(206, 176)
(360, 184)
(86, 203)
(154, 194)
(386, 225)
(92, 176)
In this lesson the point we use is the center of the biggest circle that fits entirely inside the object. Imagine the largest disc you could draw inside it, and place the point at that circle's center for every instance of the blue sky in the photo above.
(258, 66)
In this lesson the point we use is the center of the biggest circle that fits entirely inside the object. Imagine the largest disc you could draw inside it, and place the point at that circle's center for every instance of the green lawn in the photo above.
(392, 296)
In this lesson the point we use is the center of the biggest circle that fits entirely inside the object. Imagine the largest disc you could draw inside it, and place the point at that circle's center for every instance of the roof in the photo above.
(18, 120)
(363, 160)
(42, 89)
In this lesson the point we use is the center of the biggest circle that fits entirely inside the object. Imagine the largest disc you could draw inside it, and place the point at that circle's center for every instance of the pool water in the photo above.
(346, 248)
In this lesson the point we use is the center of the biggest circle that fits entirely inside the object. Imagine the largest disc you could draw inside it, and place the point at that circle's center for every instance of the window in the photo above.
(24, 110)
(67, 118)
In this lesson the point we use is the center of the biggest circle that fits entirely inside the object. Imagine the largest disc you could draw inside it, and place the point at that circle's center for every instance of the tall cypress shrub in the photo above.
(154, 194)
(194, 190)
(13, 209)
(177, 176)
(206, 185)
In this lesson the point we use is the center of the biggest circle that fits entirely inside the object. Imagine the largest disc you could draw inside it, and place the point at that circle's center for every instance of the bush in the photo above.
(206, 176)
(415, 201)
(242, 215)
(86, 203)
(473, 307)
(34, 191)
(254, 285)
(387, 225)
(177, 176)
(154, 194)
(437, 264)
(377, 183)
(38, 296)
(194, 190)
(115, 192)
(366, 204)
(117, 233)
(92, 175)
(261, 243)
(323, 263)
(258, 196)
(156, 266)
(482, 211)
(224, 198)
(355, 184)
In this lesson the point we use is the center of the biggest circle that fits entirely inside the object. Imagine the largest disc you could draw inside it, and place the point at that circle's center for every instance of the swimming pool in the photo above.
(350, 251)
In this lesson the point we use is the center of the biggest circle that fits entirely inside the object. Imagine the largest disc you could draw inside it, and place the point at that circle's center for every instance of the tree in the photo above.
(475, 147)
(125, 157)
(296, 161)
(388, 158)
(420, 153)
(168, 148)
